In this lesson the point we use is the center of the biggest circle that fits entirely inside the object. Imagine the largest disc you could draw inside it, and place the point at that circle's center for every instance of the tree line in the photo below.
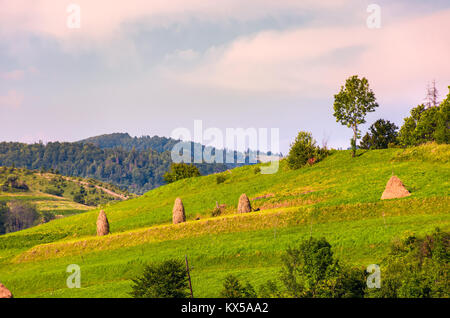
(135, 170)
(428, 122)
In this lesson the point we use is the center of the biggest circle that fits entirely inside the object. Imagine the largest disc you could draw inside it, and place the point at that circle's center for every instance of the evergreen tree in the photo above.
(380, 135)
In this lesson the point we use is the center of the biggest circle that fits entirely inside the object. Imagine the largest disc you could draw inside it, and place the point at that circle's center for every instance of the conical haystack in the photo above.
(244, 204)
(394, 189)
(178, 215)
(4, 292)
(102, 224)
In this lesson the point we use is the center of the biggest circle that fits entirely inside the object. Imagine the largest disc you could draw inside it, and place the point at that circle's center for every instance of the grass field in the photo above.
(338, 198)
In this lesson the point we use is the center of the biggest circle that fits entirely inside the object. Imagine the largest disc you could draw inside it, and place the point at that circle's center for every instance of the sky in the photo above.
(150, 67)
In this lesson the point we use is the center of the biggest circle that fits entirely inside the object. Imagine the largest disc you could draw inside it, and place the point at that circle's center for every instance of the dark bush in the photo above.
(13, 184)
(416, 268)
(311, 271)
(166, 280)
(180, 171)
(47, 216)
(305, 151)
(380, 135)
(232, 288)
(20, 215)
(79, 198)
(216, 212)
(54, 191)
(220, 178)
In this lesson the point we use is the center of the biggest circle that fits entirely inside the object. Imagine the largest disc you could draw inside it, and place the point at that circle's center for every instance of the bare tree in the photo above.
(325, 140)
(431, 100)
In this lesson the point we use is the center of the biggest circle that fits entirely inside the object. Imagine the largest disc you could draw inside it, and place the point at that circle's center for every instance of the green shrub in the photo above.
(47, 216)
(216, 212)
(303, 149)
(91, 201)
(166, 280)
(220, 178)
(13, 184)
(416, 268)
(311, 271)
(270, 290)
(257, 170)
(54, 191)
(180, 171)
(79, 198)
(232, 288)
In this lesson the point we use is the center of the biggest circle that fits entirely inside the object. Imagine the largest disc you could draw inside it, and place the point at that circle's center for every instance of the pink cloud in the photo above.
(16, 75)
(12, 75)
(398, 59)
(12, 99)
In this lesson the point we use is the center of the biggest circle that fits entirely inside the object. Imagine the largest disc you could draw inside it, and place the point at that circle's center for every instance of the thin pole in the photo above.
(189, 276)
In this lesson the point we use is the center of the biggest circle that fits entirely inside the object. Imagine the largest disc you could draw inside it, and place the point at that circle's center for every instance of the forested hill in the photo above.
(160, 144)
(127, 142)
(136, 170)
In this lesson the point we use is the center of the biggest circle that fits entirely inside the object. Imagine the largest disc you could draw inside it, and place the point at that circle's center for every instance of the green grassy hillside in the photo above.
(56, 193)
(338, 198)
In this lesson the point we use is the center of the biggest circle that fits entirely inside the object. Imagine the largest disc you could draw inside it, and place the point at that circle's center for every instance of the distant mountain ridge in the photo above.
(162, 144)
(127, 142)
(133, 163)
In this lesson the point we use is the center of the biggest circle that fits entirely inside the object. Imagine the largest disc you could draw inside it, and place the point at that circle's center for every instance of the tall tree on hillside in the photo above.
(352, 104)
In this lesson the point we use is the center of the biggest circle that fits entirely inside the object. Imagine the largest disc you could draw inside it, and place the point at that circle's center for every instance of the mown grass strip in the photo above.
(236, 223)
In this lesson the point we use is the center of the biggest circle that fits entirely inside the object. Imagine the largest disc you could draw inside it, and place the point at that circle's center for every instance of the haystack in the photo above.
(394, 189)
(178, 215)
(4, 292)
(244, 204)
(102, 224)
